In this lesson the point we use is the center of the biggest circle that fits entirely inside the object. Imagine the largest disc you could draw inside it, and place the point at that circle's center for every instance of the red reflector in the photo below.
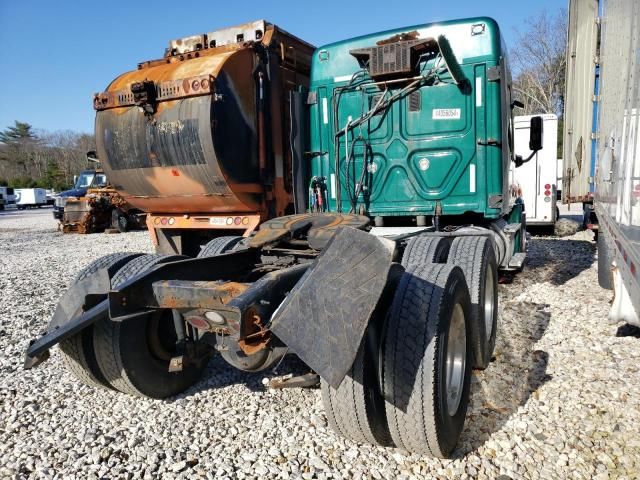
(198, 322)
(164, 221)
(547, 193)
(175, 172)
(547, 186)
(237, 220)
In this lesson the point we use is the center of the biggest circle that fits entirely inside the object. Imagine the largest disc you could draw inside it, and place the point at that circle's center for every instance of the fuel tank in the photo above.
(206, 128)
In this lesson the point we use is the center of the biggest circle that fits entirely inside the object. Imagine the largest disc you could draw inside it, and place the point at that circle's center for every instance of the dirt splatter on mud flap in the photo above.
(324, 317)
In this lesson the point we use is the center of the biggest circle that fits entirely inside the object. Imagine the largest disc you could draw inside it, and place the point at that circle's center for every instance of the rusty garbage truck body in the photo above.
(199, 139)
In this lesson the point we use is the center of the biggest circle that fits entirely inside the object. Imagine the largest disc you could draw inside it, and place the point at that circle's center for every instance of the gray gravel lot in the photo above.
(561, 400)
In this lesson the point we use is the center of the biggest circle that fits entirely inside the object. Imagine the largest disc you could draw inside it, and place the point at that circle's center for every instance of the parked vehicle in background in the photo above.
(30, 198)
(8, 194)
(91, 178)
(2, 202)
(604, 38)
(51, 197)
(559, 183)
(536, 179)
(581, 108)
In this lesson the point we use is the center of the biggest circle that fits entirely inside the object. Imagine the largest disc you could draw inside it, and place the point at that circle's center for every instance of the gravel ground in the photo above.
(561, 400)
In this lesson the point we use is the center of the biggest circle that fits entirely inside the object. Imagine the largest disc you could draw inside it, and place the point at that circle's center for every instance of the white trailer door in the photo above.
(527, 176)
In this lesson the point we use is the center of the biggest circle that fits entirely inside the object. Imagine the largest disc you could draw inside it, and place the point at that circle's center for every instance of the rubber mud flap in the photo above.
(324, 317)
(73, 300)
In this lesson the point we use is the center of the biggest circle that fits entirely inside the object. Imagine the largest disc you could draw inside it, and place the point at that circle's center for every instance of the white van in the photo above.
(536, 179)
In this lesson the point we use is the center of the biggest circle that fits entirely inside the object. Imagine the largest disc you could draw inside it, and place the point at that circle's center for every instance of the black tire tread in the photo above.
(425, 249)
(219, 245)
(107, 333)
(412, 347)
(469, 253)
(604, 262)
(77, 351)
(347, 409)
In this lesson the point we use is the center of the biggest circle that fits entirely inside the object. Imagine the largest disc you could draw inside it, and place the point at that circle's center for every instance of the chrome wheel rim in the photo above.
(456, 359)
(489, 303)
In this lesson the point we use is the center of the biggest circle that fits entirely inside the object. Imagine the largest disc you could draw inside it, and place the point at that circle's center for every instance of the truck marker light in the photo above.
(164, 220)
(172, 221)
(175, 172)
(332, 181)
(325, 111)
(237, 221)
(230, 221)
(245, 220)
(472, 178)
(156, 221)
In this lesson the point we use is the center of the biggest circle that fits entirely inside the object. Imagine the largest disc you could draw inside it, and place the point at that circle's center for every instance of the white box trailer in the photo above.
(536, 179)
(30, 197)
(617, 142)
(580, 106)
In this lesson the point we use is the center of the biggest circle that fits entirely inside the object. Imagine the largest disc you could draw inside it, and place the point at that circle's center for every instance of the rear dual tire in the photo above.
(78, 353)
(425, 368)
(134, 355)
(427, 361)
(355, 410)
(477, 259)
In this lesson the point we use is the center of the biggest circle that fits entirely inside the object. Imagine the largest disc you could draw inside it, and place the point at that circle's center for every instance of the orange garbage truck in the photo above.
(199, 139)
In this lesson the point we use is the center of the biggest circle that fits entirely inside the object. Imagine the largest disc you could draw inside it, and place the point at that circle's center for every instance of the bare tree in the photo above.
(539, 59)
(39, 158)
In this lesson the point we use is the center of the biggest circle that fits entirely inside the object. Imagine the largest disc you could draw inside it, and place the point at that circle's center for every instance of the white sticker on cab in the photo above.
(446, 114)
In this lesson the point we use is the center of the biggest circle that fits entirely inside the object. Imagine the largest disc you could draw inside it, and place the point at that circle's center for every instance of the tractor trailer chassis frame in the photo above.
(318, 302)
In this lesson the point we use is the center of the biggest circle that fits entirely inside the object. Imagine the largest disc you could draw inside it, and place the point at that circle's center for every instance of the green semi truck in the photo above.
(383, 281)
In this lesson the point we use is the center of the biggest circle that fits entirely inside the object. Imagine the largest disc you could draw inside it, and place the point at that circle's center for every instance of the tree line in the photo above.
(38, 158)
(539, 63)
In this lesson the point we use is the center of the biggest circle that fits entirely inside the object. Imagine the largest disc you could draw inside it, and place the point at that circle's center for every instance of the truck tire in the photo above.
(477, 259)
(355, 410)
(425, 249)
(427, 359)
(219, 245)
(134, 355)
(78, 353)
(604, 263)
